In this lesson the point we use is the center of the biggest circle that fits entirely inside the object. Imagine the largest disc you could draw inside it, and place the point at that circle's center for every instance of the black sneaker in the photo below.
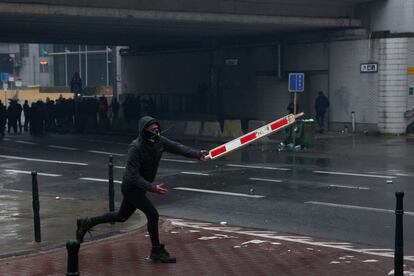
(159, 253)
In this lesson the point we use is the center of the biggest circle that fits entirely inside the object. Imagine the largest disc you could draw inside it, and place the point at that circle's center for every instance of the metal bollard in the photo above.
(72, 247)
(399, 238)
(111, 192)
(36, 207)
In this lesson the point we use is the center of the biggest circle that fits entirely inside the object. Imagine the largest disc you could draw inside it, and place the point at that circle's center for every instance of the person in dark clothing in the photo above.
(12, 113)
(144, 155)
(3, 117)
(291, 109)
(321, 105)
(26, 113)
(76, 84)
(19, 110)
(115, 107)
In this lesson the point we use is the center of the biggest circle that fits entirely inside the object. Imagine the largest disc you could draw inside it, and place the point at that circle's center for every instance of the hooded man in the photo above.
(144, 155)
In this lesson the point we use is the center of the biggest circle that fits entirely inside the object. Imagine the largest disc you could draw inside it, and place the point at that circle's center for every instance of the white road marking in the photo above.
(179, 160)
(392, 172)
(389, 253)
(29, 172)
(99, 179)
(196, 173)
(265, 179)
(64, 148)
(119, 167)
(355, 174)
(355, 207)
(42, 160)
(26, 142)
(349, 187)
(217, 192)
(257, 167)
(107, 153)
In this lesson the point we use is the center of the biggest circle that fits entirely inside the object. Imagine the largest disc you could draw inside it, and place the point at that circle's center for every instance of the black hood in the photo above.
(145, 122)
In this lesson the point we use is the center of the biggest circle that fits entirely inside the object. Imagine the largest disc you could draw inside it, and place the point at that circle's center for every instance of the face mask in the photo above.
(153, 137)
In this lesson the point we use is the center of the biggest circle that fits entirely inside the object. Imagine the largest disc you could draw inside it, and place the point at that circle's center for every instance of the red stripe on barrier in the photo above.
(248, 138)
(218, 151)
(279, 124)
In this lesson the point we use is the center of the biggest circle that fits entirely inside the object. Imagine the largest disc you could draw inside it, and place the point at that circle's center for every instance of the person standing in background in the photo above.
(321, 105)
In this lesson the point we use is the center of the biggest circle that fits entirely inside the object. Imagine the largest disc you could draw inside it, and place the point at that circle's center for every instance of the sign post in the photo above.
(296, 84)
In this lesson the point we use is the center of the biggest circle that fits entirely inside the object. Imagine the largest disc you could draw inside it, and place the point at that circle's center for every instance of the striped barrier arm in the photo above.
(254, 135)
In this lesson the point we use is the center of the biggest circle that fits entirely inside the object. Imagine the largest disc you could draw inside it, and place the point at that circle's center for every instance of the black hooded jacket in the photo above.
(144, 157)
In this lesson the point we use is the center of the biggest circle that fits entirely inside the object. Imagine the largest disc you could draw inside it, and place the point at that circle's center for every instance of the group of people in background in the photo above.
(70, 115)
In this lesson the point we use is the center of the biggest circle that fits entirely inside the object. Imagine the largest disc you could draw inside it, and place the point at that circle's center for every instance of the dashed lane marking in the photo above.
(61, 147)
(355, 174)
(355, 207)
(29, 172)
(25, 142)
(196, 173)
(257, 167)
(42, 160)
(179, 160)
(99, 179)
(217, 192)
(349, 187)
(105, 152)
(265, 179)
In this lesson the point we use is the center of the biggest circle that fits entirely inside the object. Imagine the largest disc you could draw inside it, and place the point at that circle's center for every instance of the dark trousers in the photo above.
(320, 119)
(133, 199)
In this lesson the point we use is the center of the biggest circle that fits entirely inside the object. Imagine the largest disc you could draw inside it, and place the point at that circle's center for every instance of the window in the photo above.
(44, 66)
(24, 50)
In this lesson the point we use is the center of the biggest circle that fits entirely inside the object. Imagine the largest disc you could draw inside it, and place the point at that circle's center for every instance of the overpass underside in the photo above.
(147, 23)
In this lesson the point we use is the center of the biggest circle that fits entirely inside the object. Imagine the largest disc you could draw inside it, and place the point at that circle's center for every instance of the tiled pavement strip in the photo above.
(211, 249)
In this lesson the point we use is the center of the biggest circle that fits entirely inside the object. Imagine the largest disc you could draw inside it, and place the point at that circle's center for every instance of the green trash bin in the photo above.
(307, 137)
(293, 133)
(302, 133)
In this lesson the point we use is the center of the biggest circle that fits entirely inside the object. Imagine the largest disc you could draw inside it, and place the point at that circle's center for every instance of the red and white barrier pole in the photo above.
(254, 135)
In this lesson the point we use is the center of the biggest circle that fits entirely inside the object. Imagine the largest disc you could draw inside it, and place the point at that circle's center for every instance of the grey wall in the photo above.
(179, 73)
(349, 89)
(396, 16)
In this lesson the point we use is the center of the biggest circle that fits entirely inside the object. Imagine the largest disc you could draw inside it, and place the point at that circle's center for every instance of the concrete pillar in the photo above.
(392, 85)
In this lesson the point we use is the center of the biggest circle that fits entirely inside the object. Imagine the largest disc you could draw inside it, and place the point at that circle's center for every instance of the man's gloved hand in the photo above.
(204, 154)
(159, 189)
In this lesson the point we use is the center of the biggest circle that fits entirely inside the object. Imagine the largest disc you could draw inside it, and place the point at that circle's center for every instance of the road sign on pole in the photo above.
(296, 82)
(4, 77)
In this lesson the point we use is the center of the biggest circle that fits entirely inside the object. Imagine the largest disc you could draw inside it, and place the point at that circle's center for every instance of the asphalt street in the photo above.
(342, 189)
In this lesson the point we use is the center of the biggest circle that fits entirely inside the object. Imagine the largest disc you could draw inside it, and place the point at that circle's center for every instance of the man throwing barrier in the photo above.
(143, 158)
(144, 155)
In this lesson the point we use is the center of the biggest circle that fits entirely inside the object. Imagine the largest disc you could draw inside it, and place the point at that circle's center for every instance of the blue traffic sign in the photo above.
(4, 77)
(296, 82)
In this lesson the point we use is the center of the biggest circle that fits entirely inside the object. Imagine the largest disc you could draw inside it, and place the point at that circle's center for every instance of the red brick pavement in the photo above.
(206, 249)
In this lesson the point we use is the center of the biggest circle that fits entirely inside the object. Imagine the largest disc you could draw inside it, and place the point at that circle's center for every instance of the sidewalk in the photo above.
(58, 222)
(210, 249)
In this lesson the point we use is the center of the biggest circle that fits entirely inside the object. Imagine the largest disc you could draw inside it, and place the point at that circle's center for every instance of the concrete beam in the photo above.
(131, 16)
